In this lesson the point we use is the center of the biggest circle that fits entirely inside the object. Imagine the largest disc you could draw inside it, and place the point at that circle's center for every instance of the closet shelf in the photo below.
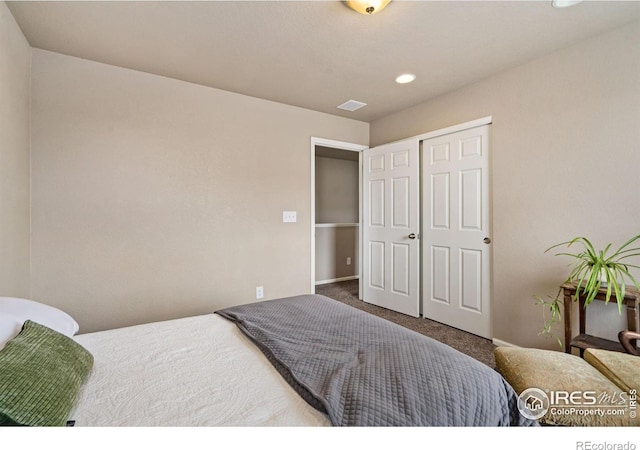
(336, 225)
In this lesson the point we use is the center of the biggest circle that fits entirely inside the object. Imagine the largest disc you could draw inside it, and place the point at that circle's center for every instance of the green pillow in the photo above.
(41, 372)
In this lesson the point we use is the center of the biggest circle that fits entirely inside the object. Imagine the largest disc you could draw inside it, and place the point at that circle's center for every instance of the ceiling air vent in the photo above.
(351, 105)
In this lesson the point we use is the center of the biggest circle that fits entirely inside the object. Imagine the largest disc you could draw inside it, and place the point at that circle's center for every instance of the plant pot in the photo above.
(603, 279)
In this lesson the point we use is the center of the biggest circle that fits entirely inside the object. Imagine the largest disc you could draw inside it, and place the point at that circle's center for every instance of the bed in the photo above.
(196, 371)
(300, 361)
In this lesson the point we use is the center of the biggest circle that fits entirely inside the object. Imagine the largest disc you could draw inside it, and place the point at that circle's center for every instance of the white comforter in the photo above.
(197, 371)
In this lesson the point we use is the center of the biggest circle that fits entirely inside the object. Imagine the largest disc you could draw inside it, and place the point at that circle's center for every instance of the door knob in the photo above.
(412, 236)
(487, 240)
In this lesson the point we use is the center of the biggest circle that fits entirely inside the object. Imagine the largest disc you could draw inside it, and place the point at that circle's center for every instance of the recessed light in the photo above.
(564, 3)
(405, 78)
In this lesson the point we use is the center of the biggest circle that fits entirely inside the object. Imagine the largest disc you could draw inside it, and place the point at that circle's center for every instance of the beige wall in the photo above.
(155, 198)
(337, 190)
(333, 246)
(566, 162)
(15, 61)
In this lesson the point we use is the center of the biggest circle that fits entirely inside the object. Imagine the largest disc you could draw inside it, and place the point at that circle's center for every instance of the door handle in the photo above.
(487, 240)
(412, 236)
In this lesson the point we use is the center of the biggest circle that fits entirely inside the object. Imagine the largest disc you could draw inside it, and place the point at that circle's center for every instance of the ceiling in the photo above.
(317, 54)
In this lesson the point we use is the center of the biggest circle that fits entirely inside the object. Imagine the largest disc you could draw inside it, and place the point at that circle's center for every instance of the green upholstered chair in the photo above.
(602, 381)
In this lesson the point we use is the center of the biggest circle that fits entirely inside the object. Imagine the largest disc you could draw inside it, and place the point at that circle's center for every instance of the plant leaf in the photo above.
(626, 244)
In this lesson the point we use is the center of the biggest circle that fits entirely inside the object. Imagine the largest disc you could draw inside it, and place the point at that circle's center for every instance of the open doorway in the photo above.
(336, 212)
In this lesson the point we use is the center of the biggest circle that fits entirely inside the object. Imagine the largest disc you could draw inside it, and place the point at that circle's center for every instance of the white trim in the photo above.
(337, 144)
(455, 128)
(336, 225)
(336, 280)
(500, 343)
(342, 146)
(360, 240)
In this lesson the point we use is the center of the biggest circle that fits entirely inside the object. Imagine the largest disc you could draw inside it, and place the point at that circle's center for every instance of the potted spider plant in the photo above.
(592, 270)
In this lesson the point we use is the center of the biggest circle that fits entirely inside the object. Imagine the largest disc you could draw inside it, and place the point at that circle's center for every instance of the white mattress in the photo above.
(197, 371)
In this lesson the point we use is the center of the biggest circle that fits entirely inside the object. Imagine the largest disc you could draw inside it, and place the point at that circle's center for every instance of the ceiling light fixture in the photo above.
(368, 7)
(564, 3)
(405, 78)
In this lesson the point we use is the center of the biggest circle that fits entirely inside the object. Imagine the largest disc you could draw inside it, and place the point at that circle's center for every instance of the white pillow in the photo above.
(14, 311)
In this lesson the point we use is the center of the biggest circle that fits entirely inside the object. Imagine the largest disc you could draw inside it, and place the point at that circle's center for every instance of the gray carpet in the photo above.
(474, 346)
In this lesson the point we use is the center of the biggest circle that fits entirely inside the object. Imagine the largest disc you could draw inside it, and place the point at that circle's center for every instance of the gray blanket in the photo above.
(362, 370)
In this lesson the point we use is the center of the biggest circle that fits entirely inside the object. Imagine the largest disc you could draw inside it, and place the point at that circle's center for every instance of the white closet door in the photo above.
(391, 210)
(456, 238)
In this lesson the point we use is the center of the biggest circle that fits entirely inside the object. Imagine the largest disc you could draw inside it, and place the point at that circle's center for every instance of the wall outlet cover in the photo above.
(289, 216)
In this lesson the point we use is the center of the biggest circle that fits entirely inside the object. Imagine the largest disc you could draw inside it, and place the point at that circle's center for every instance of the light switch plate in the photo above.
(289, 216)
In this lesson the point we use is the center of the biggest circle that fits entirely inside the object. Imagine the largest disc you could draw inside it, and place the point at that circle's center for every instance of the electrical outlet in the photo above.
(348, 260)
(289, 216)
(259, 292)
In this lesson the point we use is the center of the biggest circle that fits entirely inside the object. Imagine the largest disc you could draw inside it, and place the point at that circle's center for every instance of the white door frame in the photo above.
(315, 141)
